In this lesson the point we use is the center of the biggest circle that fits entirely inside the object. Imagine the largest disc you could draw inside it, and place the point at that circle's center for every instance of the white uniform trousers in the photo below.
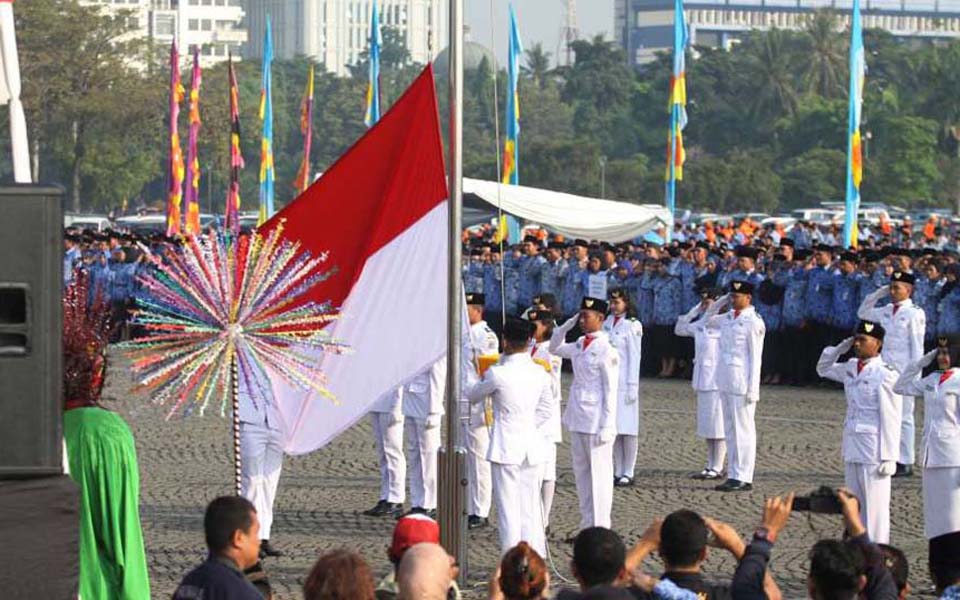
(593, 474)
(261, 457)
(873, 492)
(625, 449)
(741, 434)
(388, 436)
(422, 447)
(908, 433)
(941, 500)
(478, 470)
(519, 511)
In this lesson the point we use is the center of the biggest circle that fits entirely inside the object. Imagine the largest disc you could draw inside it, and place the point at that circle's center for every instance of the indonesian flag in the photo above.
(381, 213)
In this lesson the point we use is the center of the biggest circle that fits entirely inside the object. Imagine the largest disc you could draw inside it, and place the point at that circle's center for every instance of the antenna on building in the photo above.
(569, 32)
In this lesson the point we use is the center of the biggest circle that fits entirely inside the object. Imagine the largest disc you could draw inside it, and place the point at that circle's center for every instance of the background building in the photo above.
(645, 27)
(335, 32)
(216, 26)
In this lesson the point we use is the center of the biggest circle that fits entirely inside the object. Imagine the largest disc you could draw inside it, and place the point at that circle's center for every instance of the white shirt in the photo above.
(519, 387)
(940, 446)
(626, 336)
(423, 396)
(871, 430)
(551, 428)
(903, 342)
(480, 341)
(592, 405)
(706, 346)
(740, 345)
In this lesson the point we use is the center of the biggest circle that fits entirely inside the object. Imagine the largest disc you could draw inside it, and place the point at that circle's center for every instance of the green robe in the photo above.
(103, 463)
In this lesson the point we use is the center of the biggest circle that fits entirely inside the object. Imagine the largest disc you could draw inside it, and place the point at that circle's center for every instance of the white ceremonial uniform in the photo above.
(519, 388)
(626, 335)
(704, 382)
(740, 345)
(386, 417)
(591, 419)
(552, 428)
(940, 445)
(261, 449)
(871, 433)
(905, 325)
(422, 411)
(481, 341)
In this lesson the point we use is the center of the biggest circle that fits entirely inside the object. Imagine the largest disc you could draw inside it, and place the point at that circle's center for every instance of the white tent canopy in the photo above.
(567, 214)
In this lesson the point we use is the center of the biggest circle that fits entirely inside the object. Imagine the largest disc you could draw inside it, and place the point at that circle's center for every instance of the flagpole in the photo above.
(452, 458)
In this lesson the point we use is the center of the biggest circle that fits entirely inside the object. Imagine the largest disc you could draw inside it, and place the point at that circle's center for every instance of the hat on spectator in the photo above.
(412, 530)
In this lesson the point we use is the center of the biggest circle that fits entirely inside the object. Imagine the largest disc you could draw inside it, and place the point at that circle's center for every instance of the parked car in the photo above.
(92, 222)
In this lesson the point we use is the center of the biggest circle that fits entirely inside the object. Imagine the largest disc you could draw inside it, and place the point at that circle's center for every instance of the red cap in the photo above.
(412, 530)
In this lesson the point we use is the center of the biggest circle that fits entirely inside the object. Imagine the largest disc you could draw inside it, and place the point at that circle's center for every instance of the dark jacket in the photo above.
(216, 579)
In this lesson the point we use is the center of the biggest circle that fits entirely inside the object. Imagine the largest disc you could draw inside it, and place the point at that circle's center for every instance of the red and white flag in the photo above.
(381, 213)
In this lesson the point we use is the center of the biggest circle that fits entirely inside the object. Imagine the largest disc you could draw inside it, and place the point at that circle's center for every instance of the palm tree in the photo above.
(825, 69)
(770, 70)
(538, 65)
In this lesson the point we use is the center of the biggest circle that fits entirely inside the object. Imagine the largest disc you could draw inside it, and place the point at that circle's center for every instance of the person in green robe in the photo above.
(102, 459)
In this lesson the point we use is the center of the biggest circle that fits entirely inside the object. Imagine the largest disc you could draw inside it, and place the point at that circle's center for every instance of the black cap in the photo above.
(848, 256)
(517, 330)
(785, 241)
(802, 254)
(546, 299)
(702, 244)
(741, 287)
(475, 298)
(824, 248)
(556, 245)
(872, 329)
(531, 238)
(903, 277)
(596, 304)
(476, 251)
(581, 243)
(748, 252)
(617, 293)
(540, 315)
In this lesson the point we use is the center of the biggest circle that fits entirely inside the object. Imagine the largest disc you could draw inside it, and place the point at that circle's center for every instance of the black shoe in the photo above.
(732, 485)
(623, 481)
(377, 511)
(904, 470)
(477, 522)
(267, 550)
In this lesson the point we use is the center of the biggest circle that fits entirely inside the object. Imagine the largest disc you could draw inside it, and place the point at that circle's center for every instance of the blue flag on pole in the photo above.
(266, 141)
(511, 147)
(373, 85)
(858, 71)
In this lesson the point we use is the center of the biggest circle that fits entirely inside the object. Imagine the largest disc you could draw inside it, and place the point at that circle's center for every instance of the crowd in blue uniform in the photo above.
(808, 292)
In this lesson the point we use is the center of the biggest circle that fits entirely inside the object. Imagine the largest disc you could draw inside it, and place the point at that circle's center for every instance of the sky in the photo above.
(539, 21)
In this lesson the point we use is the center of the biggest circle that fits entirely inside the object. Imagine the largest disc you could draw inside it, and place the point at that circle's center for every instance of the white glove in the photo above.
(396, 417)
(845, 345)
(887, 468)
(633, 394)
(608, 435)
(879, 293)
(433, 420)
(570, 323)
(929, 357)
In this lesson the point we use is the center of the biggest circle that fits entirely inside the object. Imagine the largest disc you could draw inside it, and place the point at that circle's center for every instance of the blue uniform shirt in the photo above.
(645, 287)
(794, 280)
(572, 288)
(948, 313)
(491, 287)
(666, 299)
(845, 300)
(819, 294)
(529, 271)
(552, 275)
(926, 295)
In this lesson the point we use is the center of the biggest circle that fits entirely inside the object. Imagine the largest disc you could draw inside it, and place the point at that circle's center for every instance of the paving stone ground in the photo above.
(185, 463)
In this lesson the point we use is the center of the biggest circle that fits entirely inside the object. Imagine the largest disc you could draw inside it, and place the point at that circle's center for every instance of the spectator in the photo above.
(521, 575)
(836, 571)
(339, 575)
(944, 562)
(233, 539)
(896, 562)
(410, 530)
(426, 573)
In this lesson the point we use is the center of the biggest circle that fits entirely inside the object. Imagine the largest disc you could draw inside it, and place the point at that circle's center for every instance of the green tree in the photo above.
(825, 57)
(538, 65)
(813, 177)
(770, 74)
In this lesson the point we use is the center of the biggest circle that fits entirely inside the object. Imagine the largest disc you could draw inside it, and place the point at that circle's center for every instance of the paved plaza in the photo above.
(185, 463)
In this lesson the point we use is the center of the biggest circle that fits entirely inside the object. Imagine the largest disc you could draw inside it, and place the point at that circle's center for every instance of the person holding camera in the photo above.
(871, 432)
(940, 445)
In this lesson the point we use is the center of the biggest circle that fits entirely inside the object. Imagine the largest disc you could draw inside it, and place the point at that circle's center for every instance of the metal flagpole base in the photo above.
(451, 509)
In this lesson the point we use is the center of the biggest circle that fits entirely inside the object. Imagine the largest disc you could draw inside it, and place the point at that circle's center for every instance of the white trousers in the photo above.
(422, 447)
(741, 432)
(625, 449)
(261, 457)
(478, 470)
(388, 436)
(908, 433)
(941, 500)
(593, 474)
(873, 492)
(519, 511)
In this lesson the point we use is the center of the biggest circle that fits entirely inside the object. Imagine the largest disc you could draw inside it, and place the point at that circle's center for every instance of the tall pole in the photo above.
(451, 461)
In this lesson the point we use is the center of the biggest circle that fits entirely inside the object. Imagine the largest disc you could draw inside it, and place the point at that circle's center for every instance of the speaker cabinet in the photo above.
(31, 277)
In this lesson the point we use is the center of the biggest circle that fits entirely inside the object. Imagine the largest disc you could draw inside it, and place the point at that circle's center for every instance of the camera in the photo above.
(823, 501)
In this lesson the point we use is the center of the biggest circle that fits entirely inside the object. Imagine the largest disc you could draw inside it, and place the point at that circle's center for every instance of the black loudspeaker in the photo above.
(31, 277)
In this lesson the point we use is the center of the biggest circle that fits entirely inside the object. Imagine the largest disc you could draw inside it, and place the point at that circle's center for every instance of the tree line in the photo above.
(767, 119)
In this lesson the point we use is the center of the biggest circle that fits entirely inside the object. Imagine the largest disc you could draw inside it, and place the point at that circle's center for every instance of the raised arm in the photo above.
(868, 310)
(684, 326)
(558, 346)
(909, 382)
(828, 367)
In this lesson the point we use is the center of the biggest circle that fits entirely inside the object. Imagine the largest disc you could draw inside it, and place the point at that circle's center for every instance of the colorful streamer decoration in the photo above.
(224, 299)
(175, 160)
(192, 196)
(306, 128)
(232, 212)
